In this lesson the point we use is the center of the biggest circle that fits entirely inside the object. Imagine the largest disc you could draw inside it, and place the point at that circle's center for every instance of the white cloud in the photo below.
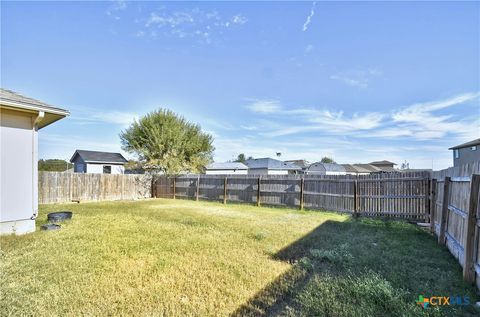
(357, 78)
(309, 48)
(419, 121)
(65, 146)
(239, 19)
(362, 83)
(420, 111)
(116, 117)
(115, 8)
(309, 17)
(84, 115)
(422, 121)
(265, 106)
(192, 23)
(328, 122)
(172, 21)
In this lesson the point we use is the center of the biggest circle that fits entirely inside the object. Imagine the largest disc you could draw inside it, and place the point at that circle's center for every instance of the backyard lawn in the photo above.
(175, 257)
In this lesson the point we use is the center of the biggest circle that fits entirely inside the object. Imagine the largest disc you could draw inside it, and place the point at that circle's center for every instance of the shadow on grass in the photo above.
(362, 267)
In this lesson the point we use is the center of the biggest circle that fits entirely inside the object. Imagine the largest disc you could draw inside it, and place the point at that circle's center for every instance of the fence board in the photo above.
(398, 195)
(462, 215)
(57, 187)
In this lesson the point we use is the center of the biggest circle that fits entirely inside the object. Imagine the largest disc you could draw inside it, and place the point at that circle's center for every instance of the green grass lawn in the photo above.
(175, 257)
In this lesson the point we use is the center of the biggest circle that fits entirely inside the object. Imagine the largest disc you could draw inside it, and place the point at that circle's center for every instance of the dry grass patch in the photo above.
(174, 257)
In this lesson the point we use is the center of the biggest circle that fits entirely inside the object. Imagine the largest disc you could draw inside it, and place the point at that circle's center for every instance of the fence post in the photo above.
(225, 190)
(355, 198)
(446, 200)
(198, 188)
(258, 191)
(468, 268)
(428, 215)
(174, 186)
(302, 186)
(433, 204)
(154, 187)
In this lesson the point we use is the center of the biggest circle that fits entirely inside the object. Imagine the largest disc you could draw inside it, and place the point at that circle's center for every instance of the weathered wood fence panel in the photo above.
(57, 187)
(457, 215)
(398, 195)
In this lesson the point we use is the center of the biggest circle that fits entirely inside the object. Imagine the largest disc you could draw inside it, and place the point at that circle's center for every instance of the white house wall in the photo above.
(264, 171)
(98, 168)
(18, 169)
(118, 169)
(335, 173)
(95, 168)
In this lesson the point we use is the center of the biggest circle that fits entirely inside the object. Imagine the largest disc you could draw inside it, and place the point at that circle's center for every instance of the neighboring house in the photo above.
(20, 119)
(269, 166)
(320, 168)
(384, 166)
(98, 162)
(228, 168)
(368, 167)
(355, 169)
(466, 153)
(303, 164)
(316, 169)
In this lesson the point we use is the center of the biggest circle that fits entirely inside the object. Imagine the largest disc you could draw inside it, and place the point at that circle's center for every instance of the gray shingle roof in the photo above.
(368, 167)
(316, 167)
(299, 163)
(332, 167)
(468, 144)
(327, 167)
(270, 164)
(13, 100)
(13, 97)
(384, 162)
(349, 168)
(226, 166)
(99, 157)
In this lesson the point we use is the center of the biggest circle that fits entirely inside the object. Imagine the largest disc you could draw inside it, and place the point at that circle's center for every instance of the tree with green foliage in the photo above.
(54, 165)
(241, 158)
(327, 159)
(165, 141)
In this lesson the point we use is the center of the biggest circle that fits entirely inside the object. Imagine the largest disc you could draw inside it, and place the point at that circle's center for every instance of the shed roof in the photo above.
(467, 144)
(270, 164)
(333, 167)
(12, 100)
(350, 168)
(368, 167)
(316, 167)
(300, 163)
(99, 157)
(384, 162)
(327, 167)
(226, 166)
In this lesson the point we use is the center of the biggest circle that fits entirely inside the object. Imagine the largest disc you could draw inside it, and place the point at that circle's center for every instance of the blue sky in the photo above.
(357, 81)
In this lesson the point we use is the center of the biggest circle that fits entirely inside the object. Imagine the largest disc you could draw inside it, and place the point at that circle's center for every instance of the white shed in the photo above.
(20, 119)
(98, 162)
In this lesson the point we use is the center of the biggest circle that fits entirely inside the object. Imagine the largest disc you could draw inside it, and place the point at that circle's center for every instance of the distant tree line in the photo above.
(54, 165)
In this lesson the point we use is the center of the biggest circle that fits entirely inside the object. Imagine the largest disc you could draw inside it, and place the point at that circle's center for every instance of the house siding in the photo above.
(18, 170)
(466, 155)
(98, 168)
(264, 171)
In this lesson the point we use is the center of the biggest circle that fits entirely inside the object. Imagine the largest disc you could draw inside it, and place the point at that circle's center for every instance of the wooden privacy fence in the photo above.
(399, 195)
(56, 187)
(456, 215)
